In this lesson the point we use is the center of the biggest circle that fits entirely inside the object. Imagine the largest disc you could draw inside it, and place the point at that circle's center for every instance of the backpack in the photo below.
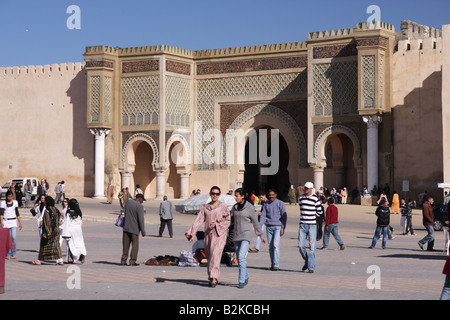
(200, 255)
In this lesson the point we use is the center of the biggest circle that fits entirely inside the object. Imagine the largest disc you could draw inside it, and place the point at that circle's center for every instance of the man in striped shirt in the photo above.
(310, 208)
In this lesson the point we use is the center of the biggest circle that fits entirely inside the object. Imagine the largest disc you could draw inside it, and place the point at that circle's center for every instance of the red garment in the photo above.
(331, 215)
(447, 267)
(428, 216)
(5, 245)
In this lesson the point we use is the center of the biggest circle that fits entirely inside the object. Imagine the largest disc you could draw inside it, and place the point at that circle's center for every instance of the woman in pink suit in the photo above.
(217, 219)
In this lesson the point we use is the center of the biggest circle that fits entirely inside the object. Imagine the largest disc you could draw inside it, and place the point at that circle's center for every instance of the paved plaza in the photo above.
(406, 272)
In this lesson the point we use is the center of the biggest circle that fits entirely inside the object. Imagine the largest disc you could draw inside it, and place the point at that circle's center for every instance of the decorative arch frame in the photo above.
(139, 137)
(275, 112)
(177, 137)
(319, 145)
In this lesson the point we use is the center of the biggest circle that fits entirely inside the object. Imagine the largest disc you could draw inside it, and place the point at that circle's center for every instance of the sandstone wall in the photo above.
(417, 111)
(43, 125)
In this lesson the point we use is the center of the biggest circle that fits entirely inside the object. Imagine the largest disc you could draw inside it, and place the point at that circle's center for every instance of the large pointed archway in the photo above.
(254, 178)
(290, 154)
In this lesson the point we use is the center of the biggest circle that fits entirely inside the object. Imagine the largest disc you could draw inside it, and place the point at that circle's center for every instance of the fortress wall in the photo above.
(43, 109)
(417, 110)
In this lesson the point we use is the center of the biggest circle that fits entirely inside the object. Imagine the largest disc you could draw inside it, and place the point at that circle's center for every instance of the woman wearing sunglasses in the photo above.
(216, 217)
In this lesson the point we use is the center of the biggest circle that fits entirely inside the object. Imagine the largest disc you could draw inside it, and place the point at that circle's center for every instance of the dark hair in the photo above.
(74, 208)
(8, 193)
(382, 201)
(200, 235)
(246, 196)
(331, 200)
(272, 190)
(140, 195)
(215, 187)
(240, 191)
(49, 202)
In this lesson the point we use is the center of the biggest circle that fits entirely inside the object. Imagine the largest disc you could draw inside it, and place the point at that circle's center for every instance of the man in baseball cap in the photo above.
(310, 208)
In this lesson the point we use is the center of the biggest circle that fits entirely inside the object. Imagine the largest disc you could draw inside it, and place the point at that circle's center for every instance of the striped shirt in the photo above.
(310, 208)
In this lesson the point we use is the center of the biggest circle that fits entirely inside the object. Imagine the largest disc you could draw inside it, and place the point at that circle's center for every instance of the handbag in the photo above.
(120, 220)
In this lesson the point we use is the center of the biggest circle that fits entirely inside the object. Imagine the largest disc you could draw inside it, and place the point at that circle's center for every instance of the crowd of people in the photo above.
(219, 223)
(55, 227)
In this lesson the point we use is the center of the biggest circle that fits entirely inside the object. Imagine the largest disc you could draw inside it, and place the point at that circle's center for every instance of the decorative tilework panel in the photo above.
(178, 101)
(94, 108)
(209, 89)
(140, 100)
(381, 81)
(368, 81)
(107, 98)
(335, 88)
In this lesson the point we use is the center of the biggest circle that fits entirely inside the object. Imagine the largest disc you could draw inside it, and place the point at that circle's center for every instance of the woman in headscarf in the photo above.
(50, 249)
(72, 230)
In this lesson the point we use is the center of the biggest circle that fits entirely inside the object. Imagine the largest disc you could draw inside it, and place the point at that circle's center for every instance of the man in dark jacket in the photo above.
(428, 222)
(383, 219)
(133, 225)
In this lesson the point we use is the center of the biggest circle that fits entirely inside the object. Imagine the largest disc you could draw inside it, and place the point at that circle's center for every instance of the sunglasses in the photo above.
(215, 193)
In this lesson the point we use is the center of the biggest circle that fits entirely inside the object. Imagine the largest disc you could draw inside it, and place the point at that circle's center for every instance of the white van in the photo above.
(23, 181)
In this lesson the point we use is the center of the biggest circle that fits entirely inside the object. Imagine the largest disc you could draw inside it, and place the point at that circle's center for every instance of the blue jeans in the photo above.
(333, 229)
(258, 239)
(13, 233)
(377, 234)
(303, 231)
(445, 295)
(241, 249)
(430, 236)
(273, 238)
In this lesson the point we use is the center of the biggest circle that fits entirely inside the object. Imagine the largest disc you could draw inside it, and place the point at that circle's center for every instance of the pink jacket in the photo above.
(210, 215)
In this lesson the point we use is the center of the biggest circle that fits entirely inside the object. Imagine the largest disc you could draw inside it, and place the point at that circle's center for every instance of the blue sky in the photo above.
(35, 32)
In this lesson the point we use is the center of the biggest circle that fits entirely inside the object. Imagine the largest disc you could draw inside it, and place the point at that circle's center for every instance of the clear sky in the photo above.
(35, 32)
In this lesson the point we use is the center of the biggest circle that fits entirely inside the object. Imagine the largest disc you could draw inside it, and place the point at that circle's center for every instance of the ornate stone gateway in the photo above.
(318, 94)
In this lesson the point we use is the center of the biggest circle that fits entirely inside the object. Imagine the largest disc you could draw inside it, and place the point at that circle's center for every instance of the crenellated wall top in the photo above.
(198, 54)
(349, 32)
(46, 69)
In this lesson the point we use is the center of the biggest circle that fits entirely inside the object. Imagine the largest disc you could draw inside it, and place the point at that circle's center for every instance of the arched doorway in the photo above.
(143, 174)
(139, 156)
(173, 186)
(254, 180)
(340, 170)
(337, 159)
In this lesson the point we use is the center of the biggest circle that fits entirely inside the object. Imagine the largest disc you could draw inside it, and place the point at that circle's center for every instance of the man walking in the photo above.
(274, 216)
(133, 225)
(428, 222)
(331, 225)
(310, 208)
(383, 220)
(58, 191)
(165, 215)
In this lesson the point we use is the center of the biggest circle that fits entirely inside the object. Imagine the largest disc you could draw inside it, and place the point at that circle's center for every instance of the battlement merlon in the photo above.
(351, 32)
(38, 70)
(414, 30)
(416, 37)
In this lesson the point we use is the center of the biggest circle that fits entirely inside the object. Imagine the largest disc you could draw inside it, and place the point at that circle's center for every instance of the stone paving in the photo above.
(406, 272)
